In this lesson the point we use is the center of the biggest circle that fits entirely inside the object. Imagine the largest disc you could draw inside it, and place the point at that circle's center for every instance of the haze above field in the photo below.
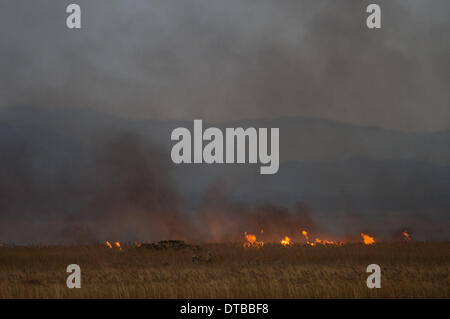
(76, 174)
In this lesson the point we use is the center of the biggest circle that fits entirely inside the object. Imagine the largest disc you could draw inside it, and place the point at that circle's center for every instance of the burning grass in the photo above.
(409, 270)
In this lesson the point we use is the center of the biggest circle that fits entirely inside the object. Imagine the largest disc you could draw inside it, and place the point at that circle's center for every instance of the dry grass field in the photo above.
(409, 270)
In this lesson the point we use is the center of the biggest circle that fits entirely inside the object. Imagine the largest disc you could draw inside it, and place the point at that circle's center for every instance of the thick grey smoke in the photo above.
(222, 220)
(66, 178)
(232, 59)
(115, 187)
(108, 180)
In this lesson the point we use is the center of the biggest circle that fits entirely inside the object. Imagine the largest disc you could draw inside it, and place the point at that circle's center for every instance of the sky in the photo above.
(237, 59)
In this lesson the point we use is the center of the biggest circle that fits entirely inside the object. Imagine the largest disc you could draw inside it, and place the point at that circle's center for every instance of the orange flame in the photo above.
(252, 242)
(327, 242)
(118, 245)
(305, 234)
(286, 241)
(319, 241)
(406, 235)
(250, 238)
(368, 240)
(108, 244)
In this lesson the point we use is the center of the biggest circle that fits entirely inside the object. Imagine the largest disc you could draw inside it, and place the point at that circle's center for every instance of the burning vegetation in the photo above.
(116, 244)
(367, 240)
(319, 241)
(286, 241)
(251, 241)
(406, 235)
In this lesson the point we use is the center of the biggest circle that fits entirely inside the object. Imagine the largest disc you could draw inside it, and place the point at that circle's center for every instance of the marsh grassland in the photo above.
(409, 270)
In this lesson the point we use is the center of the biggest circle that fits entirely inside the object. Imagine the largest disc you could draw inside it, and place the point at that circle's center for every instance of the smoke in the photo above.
(135, 190)
(222, 220)
(81, 177)
(74, 181)
(119, 187)
(73, 178)
(227, 60)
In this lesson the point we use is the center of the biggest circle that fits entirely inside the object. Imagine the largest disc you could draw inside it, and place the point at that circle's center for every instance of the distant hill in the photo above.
(301, 139)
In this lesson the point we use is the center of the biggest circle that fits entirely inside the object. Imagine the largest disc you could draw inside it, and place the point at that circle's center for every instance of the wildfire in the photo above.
(406, 235)
(250, 238)
(319, 241)
(286, 241)
(252, 242)
(368, 240)
(305, 234)
(326, 242)
(116, 244)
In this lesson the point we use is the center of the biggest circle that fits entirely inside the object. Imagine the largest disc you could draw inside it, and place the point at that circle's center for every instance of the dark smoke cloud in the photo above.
(215, 60)
(134, 194)
(119, 188)
(79, 177)
(232, 59)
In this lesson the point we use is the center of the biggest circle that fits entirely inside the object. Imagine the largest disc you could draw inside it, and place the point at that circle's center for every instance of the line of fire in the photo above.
(252, 241)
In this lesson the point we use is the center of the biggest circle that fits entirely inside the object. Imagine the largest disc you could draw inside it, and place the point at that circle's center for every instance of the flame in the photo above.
(324, 242)
(305, 234)
(250, 238)
(252, 242)
(286, 241)
(327, 242)
(116, 244)
(406, 235)
(320, 241)
(368, 240)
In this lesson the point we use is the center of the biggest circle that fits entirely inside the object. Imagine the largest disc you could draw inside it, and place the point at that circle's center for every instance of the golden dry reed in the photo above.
(408, 270)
